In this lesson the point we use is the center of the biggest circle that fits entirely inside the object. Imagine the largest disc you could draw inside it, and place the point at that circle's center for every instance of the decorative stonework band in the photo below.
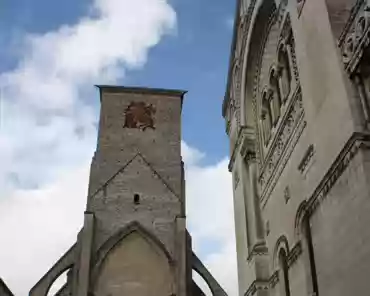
(294, 254)
(354, 144)
(257, 286)
(355, 36)
(350, 150)
(286, 141)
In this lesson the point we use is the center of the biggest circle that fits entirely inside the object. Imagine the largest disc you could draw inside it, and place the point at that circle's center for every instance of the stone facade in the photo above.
(297, 116)
(134, 239)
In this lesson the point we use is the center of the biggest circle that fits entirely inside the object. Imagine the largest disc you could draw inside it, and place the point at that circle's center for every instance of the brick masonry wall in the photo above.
(340, 233)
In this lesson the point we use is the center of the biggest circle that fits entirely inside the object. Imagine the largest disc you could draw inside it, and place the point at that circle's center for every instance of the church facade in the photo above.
(297, 116)
(134, 239)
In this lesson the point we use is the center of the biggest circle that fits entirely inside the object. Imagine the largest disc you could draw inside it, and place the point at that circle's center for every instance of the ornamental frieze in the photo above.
(355, 37)
(285, 140)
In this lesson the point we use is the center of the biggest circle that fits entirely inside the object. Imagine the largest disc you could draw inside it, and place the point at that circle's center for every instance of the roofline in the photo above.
(141, 90)
(5, 287)
(138, 89)
(232, 50)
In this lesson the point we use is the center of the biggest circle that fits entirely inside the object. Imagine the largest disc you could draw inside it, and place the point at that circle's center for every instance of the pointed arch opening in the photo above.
(134, 255)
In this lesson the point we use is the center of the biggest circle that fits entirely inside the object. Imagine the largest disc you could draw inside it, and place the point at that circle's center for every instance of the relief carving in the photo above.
(355, 46)
(354, 40)
(140, 116)
(283, 146)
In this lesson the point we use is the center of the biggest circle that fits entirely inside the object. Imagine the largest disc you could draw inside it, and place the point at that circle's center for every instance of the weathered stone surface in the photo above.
(317, 146)
(134, 240)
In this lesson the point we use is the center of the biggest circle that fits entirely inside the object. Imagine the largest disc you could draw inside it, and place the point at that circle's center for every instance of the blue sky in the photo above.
(194, 59)
(52, 53)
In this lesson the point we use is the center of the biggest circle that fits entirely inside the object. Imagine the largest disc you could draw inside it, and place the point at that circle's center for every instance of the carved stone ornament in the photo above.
(305, 162)
(257, 285)
(355, 37)
(283, 145)
(140, 116)
(294, 254)
(352, 147)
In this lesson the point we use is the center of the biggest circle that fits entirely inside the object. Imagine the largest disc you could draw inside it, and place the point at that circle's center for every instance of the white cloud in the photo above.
(210, 217)
(47, 137)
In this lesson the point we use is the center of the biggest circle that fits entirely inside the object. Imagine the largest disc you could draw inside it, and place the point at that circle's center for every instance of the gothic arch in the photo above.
(116, 238)
(133, 249)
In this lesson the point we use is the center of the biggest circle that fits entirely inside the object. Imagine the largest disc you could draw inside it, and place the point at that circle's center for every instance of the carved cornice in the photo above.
(355, 36)
(282, 147)
(350, 150)
(306, 159)
(245, 144)
(257, 250)
(257, 285)
(243, 23)
(274, 279)
(355, 10)
(294, 254)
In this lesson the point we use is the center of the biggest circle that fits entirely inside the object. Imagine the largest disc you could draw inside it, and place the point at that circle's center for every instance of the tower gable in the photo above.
(136, 193)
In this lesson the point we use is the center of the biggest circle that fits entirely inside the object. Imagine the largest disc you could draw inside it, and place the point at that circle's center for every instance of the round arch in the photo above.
(282, 244)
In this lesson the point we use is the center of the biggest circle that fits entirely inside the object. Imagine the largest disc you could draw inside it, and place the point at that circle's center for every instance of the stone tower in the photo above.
(134, 239)
(297, 116)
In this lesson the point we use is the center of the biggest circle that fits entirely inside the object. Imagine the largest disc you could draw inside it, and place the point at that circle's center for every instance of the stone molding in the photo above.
(258, 249)
(294, 254)
(350, 150)
(306, 160)
(274, 279)
(245, 144)
(355, 36)
(237, 58)
(288, 134)
(356, 142)
(300, 6)
(257, 285)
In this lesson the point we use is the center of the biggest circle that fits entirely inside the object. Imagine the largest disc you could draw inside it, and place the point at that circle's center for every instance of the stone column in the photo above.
(251, 194)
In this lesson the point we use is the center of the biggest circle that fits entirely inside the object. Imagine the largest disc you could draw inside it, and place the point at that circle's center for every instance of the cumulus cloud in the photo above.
(47, 98)
(48, 132)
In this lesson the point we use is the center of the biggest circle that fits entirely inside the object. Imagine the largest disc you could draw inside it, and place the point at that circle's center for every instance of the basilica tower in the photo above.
(134, 239)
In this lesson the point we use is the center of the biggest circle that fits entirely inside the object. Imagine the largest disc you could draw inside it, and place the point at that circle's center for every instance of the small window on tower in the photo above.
(136, 199)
